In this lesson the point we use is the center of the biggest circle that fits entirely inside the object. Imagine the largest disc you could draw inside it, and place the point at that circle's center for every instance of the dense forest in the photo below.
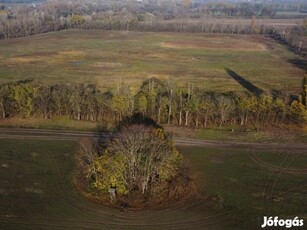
(161, 100)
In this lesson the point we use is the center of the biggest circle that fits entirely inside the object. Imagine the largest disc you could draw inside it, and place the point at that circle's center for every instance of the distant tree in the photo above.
(224, 106)
(75, 100)
(246, 107)
(104, 105)
(265, 103)
(89, 106)
(153, 89)
(186, 3)
(24, 98)
(7, 103)
(76, 21)
(279, 108)
(61, 99)
(170, 89)
(141, 104)
(298, 112)
(207, 109)
(120, 106)
(254, 28)
(43, 101)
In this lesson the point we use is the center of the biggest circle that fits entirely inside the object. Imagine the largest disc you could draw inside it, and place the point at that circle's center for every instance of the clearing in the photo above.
(108, 57)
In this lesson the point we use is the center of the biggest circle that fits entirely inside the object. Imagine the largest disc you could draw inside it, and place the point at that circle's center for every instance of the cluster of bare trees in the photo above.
(136, 158)
(160, 100)
(138, 163)
(242, 9)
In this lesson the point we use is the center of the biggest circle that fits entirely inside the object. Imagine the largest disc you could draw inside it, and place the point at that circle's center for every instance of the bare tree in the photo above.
(87, 154)
(224, 106)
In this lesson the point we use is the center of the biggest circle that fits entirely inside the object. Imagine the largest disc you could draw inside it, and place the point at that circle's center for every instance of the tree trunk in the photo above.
(2, 109)
(206, 120)
(46, 114)
(196, 123)
(221, 122)
(180, 117)
(79, 115)
(242, 120)
(170, 108)
(186, 117)
(180, 111)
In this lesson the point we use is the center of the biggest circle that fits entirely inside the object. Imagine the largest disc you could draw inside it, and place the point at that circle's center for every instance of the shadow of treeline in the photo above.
(300, 63)
(103, 133)
(245, 83)
(25, 81)
(138, 119)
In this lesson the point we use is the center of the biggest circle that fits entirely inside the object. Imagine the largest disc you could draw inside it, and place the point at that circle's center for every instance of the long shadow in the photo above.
(300, 63)
(245, 83)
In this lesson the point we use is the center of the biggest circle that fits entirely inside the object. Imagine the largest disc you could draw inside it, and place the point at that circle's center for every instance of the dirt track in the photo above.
(43, 134)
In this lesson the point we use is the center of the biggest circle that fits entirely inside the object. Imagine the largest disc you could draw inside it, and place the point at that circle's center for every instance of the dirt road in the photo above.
(43, 134)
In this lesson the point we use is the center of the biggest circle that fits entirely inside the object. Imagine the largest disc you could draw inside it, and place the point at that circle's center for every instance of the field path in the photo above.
(44, 134)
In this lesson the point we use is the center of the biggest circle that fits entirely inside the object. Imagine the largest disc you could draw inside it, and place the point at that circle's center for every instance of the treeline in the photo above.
(292, 36)
(160, 100)
(20, 20)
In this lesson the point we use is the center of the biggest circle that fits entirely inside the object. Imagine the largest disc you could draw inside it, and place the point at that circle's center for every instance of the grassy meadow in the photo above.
(238, 187)
(37, 193)
(108, 57)
(249, 184)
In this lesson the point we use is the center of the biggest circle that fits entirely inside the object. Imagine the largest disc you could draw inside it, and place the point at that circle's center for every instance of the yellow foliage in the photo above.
(110, 173)
(298, 111)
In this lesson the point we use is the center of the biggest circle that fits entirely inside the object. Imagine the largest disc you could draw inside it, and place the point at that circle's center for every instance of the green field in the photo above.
(108, 57)
(238, 188)
(251, 184)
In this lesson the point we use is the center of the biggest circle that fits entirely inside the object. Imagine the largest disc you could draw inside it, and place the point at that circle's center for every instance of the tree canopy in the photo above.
(138, 161)
(137, 158)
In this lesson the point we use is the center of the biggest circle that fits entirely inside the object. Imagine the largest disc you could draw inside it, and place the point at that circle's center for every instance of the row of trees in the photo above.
(292, 36)
(160, 100)
(243, 9)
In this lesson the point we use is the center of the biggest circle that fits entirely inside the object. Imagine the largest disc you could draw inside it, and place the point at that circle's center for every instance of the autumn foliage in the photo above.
(139, 161)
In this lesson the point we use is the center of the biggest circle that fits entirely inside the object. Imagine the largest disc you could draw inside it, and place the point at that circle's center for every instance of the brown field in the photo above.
(105, 57)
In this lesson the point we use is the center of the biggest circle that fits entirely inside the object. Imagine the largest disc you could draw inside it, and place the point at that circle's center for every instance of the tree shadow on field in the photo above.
(300, 63)
(25, 81)
(245, 83)
(138, 119)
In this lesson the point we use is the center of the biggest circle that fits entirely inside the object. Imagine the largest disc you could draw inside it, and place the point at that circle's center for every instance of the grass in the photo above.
(37, 192)
(248, 190)
(53, 123)
(279, 135)
(282, 134)
(105, 57)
